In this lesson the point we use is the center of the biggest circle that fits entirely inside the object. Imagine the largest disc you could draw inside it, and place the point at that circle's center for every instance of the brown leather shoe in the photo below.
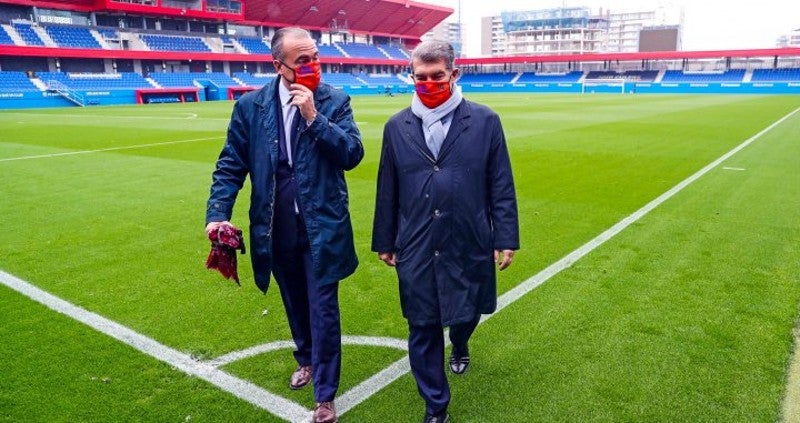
(300, 377)
(325, 412)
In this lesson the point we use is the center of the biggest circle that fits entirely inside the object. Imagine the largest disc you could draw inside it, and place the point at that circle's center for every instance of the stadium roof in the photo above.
(397, 18)
(394, 18)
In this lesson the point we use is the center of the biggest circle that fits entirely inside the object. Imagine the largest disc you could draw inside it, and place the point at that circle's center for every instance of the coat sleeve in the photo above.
(231, 170)
(384, 225)
(502, 197)
(338, 137)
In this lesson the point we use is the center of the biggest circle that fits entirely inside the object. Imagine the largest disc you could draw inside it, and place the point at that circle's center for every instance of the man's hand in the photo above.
(213, 226)
(303, 98)
(388, 258)
(504, 258)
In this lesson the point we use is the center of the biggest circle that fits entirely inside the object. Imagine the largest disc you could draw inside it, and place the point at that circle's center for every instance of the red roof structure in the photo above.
(397, 18)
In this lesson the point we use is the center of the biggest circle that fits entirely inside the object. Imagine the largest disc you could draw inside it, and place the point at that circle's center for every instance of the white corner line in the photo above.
(369, 387)
(277, 405)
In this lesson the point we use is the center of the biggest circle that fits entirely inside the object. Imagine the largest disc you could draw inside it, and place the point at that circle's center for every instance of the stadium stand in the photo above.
(394, 52)
(340, 79)
(28, 35)
(254, 80)
(776, 75)
(573, 76)
(254, 45)
(380, 79)
(733, 75)
(362, 50)
(638, 76)
(15, 81)
(188, 79)
(108, 33)
(4, 37)
(93, 81)
(641, 76)
(326, 50)
(72, 37)
(486, 78)
(604, 75)
(170, 43)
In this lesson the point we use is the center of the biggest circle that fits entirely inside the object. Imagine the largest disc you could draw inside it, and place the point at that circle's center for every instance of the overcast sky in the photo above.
(708, 24)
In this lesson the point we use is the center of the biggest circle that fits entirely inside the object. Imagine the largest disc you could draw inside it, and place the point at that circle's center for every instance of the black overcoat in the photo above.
(444, 217)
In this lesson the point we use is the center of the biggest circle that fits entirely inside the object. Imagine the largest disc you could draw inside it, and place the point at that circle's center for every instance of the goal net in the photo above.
(616, 86)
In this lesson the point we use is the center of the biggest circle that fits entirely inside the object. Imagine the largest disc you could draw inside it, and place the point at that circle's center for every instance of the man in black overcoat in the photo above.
(445, 213)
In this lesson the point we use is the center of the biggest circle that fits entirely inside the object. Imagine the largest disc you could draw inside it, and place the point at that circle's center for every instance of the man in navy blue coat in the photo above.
(295, 137)
(445, 213)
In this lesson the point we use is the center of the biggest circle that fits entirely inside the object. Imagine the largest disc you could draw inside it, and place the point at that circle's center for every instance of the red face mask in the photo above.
(433, 93)
(307, 75)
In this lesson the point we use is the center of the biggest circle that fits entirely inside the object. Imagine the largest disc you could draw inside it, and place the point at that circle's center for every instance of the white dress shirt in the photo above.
(288, 116)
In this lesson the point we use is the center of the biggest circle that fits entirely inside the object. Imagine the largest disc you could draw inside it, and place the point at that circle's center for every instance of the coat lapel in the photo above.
(415, 136)
(459, 124)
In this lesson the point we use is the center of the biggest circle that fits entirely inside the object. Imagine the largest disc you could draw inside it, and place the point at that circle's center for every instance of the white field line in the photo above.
(103, 150)
(275, 404)
(376, 341)
(290, 410)
(369, 387)
(185, 116)
(206, 370)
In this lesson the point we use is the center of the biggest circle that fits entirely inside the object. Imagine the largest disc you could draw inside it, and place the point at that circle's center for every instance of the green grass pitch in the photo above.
(686, 315)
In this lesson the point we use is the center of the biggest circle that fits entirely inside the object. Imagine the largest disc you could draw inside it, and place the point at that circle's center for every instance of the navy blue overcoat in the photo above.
(325, 149)
(443, 218)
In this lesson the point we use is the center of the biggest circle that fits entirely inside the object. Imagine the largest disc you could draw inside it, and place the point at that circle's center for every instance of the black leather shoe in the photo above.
(443, 417)
(459, 361)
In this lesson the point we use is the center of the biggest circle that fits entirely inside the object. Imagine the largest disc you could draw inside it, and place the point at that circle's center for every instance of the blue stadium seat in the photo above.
(254, 45)
(395, 52)
(487, 78)
(329, 51)
(256, 80)
(97, 81)
(734, 75)
(362, 50)
(340, 79)
(28, 35)
(72, 37)
(187, 79)
(776, 75)
(533, 77)
(15, 81)
(387, 79)
(4, 37)
(174, 43)
(108, 33)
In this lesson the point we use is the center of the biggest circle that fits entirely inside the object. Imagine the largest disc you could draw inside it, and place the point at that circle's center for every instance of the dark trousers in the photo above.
(426, 355)
(312, 311)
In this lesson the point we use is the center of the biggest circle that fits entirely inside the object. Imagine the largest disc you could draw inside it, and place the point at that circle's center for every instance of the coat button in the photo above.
(436, 168)
(436, 253)
(437, 213)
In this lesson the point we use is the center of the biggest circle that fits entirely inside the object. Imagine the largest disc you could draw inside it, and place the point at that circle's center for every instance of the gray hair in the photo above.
(433, 51)
(277, 40)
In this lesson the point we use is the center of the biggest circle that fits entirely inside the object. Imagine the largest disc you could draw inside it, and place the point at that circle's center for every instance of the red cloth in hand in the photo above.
(224, 243)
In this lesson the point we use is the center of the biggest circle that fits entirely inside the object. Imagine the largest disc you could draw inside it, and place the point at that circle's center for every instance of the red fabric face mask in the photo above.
(307, 75)
(433, 93)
